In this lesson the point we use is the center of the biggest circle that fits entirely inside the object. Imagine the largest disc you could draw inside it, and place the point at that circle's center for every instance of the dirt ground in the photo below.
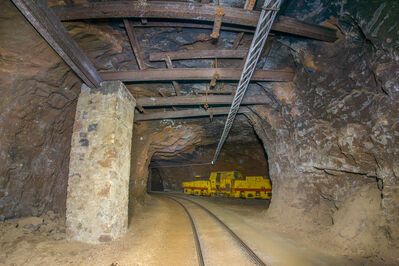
(160, 234)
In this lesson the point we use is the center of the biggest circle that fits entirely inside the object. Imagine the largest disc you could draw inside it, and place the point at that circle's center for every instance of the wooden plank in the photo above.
(195, 74)
(165, 96)
(237, 40)
(134, 43)
(198, 54)
(189, 11)
(176, 85)
(43, 19)
(249, 4)
(191, 25)
(187, 113)
(219, 91)
(199, 100)
(304, 29)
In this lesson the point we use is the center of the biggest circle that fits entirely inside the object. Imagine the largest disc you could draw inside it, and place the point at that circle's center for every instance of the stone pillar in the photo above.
(99, 167)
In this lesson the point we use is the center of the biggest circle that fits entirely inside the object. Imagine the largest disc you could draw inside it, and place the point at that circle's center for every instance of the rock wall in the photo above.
(37, 106)
(334, 131)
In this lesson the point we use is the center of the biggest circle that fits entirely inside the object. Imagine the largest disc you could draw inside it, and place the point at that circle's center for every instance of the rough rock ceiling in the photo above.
(107, 45)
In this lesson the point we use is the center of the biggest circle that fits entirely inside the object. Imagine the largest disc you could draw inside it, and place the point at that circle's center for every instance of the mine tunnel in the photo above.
(199, 132)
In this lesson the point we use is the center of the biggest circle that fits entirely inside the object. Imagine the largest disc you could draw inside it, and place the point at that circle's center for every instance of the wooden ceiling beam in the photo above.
(198, 54)
(199, 100)
(191, 74)
(190, 11)
(43, 19)
(175, 24)
(199, 112)
(134, 43)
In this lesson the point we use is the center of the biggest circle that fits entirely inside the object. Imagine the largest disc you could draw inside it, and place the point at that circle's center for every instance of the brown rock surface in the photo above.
(37, 106)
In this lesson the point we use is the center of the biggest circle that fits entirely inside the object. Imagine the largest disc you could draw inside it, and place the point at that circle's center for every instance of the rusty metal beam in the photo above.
(220, 12)
(237, 40)
(218, 91)
(176, 85)
(198, 54)
(189, 11)
(165, 96)
(187, 113)
(175, 24)
(199, 100)
(249, 4)
(134, 43)
(195, 74)
(43, 19)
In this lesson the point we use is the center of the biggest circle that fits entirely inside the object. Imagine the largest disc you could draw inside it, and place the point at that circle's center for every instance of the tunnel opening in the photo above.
(110, 109)
(244, 163)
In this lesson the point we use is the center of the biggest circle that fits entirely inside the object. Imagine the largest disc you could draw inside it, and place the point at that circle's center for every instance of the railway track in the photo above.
(199, 242)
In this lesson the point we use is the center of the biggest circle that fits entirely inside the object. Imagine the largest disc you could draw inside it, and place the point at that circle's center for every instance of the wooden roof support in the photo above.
(249, 4)
(187, 113)
(198, 54)
(199, 100)
(218, 91)
(43, 19)
(134, 43)
(176, 85)
(195, 74)
(164, 97)
(69, 2)
(175, 24)
(238, 40)
(190, 11)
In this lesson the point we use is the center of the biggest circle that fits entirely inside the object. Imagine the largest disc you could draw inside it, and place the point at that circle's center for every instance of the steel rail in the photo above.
(195, 233)
(246, 248)
(267, 16)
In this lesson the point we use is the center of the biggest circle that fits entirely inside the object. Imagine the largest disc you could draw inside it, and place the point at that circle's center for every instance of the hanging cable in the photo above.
(266, 18)
(177, 165)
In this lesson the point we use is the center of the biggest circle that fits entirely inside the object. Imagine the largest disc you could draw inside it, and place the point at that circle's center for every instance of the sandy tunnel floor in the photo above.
(159, 234)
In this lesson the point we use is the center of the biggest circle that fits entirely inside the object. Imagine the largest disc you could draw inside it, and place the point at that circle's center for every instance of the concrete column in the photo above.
(99, 167)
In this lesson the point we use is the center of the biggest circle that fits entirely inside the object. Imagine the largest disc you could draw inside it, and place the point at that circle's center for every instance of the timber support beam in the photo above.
(187, 113)
(195, 74)
(198, 54)
(190, 11)
(43, 19)
(199, 100)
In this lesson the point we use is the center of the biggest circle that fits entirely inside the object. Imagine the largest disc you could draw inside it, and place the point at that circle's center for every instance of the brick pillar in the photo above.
(99, 167)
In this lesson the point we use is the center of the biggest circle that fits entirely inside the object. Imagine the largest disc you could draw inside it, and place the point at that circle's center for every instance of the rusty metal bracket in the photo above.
(214, 79)
(249, 4)
(220, 12)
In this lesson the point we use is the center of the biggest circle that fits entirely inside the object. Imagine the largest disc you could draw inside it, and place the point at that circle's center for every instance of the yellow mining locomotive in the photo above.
(230, 184)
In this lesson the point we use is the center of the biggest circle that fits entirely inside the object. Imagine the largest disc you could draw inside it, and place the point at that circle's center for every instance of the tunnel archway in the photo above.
(248, 159)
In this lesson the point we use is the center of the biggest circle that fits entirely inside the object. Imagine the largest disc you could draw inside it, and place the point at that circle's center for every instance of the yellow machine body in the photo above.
(221, 182)
(187, 187)
(198, 188)
(253, 187)
(230, 184)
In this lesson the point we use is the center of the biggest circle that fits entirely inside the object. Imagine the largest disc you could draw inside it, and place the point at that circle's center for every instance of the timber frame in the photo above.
(190, 11)
(48, 22)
